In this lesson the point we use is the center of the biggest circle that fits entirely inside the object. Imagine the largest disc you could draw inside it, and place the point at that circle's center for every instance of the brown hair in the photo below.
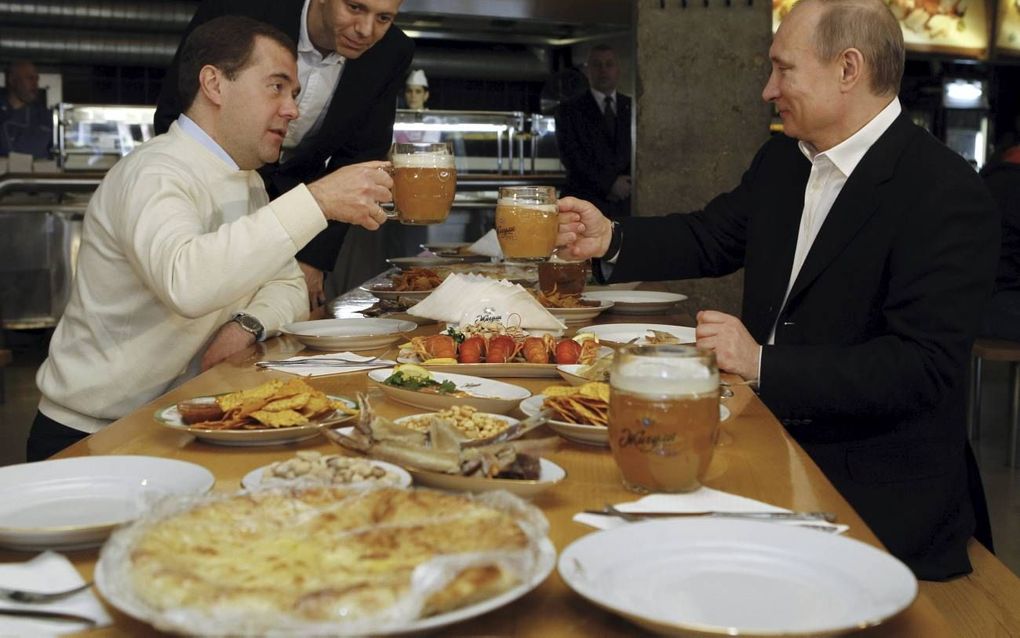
(870, 27)
(226, 43)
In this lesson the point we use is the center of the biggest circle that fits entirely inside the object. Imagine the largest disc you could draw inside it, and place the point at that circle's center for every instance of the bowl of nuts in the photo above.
(309, 466)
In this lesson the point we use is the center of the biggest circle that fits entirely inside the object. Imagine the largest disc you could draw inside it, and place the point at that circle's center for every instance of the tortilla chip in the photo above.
(295, 402)
(281, 419)
(233, 400)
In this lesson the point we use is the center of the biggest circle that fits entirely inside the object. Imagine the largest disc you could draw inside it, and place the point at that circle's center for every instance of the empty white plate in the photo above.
(637, 302)
(75, 503)
(737, 577)
(348, 334)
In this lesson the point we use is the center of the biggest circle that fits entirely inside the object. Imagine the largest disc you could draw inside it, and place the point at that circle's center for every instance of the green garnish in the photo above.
(397, 379)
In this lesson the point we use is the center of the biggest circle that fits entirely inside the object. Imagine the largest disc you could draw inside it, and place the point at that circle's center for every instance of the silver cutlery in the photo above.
(609, 510)
(23, 596)
(48, 615)
(325, 361)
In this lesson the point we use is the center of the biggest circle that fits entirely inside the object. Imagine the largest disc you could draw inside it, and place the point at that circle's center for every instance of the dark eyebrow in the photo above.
(281, 76)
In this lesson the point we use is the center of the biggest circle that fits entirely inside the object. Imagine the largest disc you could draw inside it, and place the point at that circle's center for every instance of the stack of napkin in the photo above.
(466, 299)
(47, 572)
(704, 499)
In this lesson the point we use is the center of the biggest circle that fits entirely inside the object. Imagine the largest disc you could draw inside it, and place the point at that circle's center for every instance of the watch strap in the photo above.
(250, 323)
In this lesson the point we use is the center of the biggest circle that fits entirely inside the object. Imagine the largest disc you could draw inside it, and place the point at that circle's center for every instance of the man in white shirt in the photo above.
(351, 65)
(866, 252)
(184, 260)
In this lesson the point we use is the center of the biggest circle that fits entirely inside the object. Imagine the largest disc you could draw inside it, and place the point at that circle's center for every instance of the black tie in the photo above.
(610, 114)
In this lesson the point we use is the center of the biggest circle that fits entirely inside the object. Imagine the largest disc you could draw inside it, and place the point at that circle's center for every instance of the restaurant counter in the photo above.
(761, 462)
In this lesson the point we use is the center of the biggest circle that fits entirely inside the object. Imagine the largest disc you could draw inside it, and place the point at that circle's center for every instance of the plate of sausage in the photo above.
(499, 355)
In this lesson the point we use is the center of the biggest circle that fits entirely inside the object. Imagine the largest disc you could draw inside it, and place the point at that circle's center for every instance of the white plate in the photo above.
(385, 291)
(638, 302)
(485, 394)
(403, 263)
(572, 316)
(170, 417)
(348, 334)
(736, 577)
(581, 433)
(397, 476)
(624, 332)
(74, 503)
(569, 373)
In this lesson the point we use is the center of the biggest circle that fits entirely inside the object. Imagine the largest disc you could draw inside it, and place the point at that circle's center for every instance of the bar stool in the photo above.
(995, 350)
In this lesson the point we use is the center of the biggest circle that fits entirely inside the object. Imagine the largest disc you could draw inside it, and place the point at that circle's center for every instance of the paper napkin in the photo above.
(487, 245)
(466, 299)
(48, 571)
(704, 499)
(325, 369)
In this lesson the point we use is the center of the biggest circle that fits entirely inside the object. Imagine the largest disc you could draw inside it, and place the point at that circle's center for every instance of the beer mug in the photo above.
(424, 182)
(663, 416)
(527, 221)
(563, 277)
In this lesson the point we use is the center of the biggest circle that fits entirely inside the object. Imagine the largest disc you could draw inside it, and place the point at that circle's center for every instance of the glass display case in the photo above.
(93, 136)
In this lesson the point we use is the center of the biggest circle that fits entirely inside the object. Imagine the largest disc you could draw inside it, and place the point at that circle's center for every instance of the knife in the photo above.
(47, 615)
(828, 517)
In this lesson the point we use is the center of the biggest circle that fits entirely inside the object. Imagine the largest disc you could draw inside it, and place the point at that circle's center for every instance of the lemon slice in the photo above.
(412, 371)
(440, 361)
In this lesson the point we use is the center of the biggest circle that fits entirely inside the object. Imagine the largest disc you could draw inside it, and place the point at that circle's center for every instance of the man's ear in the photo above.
(210, 83)
(851, 62)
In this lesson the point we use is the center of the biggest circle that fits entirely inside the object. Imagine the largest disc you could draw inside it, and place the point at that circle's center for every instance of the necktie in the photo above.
(609, 113)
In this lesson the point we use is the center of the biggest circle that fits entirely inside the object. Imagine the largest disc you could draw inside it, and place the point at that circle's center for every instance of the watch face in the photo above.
(249, 323)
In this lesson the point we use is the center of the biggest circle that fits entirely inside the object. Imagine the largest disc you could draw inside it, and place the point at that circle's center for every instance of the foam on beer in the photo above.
(524, 203)
(423, 160)
(661, 376)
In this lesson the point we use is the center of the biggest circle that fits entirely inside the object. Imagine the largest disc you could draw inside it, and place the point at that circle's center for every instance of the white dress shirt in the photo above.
(198, 134)
(600, 99)
(319, 76)
(829, 172)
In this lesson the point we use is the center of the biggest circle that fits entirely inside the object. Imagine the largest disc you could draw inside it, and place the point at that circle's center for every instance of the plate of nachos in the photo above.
(269, 414)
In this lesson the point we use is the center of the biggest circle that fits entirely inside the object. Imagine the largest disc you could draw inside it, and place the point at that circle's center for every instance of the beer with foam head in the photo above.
(527, 221)
(424, 182)
(663, 416)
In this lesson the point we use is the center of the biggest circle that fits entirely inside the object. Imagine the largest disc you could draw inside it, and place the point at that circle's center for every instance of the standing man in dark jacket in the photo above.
(593, 136)
(1002, 178)
(351, 64)
(865, 244)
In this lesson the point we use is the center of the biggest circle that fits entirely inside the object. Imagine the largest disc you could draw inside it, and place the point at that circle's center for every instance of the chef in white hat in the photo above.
(416, 90)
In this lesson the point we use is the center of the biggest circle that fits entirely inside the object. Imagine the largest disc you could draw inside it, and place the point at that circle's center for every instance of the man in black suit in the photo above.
(593, 136)
(351, 64)
(869, 250)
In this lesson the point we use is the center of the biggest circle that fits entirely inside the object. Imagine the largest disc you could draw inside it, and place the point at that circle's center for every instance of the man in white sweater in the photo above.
(184, 260)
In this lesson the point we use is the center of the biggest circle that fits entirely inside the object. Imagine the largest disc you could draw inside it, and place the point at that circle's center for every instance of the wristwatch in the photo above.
(251, 324)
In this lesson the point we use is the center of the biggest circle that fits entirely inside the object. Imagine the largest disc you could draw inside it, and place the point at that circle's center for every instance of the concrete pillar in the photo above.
(699, 113)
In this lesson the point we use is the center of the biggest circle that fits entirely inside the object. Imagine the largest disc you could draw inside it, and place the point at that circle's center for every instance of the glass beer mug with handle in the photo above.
(663, 416)
(527, 221)
(424, 182)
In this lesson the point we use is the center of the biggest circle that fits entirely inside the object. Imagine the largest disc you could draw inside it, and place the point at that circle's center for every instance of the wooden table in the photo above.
(762, 462)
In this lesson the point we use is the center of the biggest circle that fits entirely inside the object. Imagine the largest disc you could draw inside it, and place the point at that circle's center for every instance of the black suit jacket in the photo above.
(868, 371)
(358, 125)
(593, 161)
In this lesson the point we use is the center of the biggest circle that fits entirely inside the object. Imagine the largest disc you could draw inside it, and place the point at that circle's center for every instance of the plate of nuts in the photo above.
(469, 421)
(309, 466)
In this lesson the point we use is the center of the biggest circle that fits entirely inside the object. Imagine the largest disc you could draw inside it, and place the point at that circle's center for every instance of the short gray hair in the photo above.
(870, 27)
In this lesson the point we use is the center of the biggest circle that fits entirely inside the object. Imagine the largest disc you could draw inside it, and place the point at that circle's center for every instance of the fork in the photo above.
(778, 516)
(22, 596)
(330, 361)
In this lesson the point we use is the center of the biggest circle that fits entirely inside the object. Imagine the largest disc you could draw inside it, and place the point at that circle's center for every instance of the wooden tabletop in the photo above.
(760, 462)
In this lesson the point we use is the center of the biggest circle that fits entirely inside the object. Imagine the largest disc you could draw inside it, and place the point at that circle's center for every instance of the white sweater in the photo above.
(174, 243)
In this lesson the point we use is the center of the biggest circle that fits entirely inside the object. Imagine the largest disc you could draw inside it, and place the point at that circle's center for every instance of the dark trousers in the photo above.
(47, 437)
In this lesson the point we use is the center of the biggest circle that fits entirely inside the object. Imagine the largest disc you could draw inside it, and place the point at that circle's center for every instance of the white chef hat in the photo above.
(417, 78)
